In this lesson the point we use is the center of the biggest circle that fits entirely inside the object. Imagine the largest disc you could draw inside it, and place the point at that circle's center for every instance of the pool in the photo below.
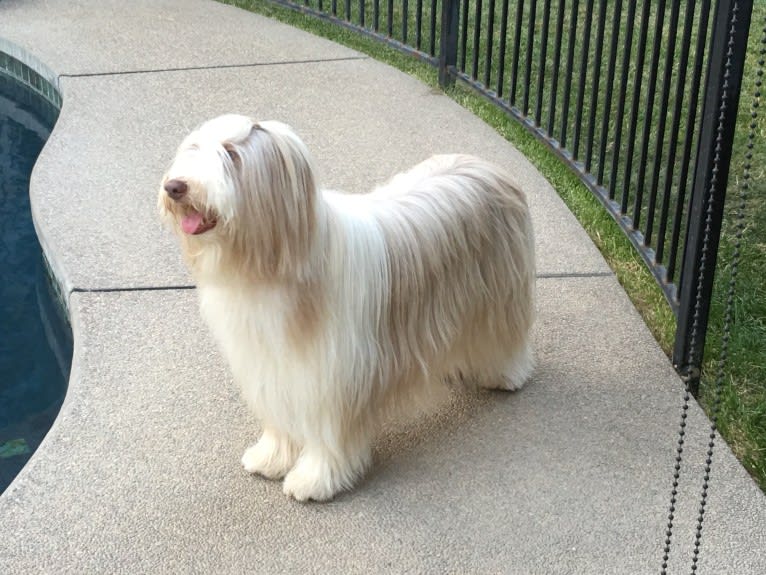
(35, 339)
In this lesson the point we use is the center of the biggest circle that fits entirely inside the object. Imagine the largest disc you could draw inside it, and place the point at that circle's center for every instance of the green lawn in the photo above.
(742, 417)
(743, 399)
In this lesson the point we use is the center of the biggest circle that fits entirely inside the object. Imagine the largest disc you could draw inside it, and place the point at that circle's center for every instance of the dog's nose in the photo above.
(176, 189)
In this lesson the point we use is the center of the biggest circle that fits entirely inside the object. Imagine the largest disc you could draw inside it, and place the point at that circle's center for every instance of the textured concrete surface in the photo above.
(86, 37)
(114, 156)
(140, 473)
(570, 475)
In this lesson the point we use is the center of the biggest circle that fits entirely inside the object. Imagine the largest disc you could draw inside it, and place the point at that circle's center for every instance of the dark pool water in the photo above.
(35, 341)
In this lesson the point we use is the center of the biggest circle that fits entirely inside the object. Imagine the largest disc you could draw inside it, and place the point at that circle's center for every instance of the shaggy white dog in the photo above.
(333, 310)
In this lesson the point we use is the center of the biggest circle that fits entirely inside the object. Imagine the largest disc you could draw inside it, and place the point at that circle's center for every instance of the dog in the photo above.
(335, 310)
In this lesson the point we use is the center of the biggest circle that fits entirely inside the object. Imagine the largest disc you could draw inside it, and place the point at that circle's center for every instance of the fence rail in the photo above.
(627, 93)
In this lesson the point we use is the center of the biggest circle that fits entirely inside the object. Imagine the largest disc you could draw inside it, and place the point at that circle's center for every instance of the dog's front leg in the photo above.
(322, 471)
(272, 456)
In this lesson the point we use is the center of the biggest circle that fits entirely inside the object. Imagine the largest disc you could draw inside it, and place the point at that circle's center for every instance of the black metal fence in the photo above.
(627, 93)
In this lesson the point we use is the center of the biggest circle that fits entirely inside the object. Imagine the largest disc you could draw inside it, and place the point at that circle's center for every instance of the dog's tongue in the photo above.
(191, 223)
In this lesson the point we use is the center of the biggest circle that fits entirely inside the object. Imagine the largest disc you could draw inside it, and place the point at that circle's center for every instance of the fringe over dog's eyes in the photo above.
(231, 150)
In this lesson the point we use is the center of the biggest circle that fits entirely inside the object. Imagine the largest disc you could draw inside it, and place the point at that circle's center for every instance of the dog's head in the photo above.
(242, 193)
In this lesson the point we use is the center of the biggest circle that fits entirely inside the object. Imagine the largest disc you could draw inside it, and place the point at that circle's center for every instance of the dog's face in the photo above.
(245, 190)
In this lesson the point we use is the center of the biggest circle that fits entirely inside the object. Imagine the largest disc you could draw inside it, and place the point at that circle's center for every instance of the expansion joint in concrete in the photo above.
(131, 289)
(213, 67)
(564, 275)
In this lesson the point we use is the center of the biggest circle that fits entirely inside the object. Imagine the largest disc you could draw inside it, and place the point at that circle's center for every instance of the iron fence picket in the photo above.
(605, 121)
(634, 111)
(556, 65)
(596, 79)
(584, 53)
(463, 34)
(569, 71)
(528, 56)
(488, 51)
(432, 45)
(516, 52)
(543, 61)
(501, 49)
(660, 141)
(649, 131)
(674, 130)
(476, 40)
(621, 98)
(418, 24)
(405, 19)
(679, 220)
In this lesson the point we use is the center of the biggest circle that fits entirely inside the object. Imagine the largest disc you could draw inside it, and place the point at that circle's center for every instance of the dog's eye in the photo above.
(232, 153)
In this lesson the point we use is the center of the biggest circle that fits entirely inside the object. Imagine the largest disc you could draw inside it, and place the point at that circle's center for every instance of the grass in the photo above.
(742, 412)
(743, 381)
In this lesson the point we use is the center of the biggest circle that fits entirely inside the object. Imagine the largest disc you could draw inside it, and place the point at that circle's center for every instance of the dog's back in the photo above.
(460, 258)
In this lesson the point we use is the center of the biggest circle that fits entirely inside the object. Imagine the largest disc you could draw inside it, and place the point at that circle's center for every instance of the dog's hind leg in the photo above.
(272, 456)
(321, 471)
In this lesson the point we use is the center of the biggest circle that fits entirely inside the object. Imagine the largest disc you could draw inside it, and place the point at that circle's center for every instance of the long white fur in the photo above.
(334, 310)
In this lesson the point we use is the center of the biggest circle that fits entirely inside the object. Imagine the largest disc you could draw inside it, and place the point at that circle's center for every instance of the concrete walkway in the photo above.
(141, 473)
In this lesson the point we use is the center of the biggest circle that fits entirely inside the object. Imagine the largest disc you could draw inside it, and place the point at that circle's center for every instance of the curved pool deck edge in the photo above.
(51, 92)
(18, 62)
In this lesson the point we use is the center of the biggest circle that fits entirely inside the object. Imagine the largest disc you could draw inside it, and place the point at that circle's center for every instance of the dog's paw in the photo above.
(258, 460)
(271, 457)
(510, 383)
(310, 482)
(316, 478)
(504, 382)
(516, 372)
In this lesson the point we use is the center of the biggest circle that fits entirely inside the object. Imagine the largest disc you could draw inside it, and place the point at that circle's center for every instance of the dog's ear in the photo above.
(291, 164)
(279, 200)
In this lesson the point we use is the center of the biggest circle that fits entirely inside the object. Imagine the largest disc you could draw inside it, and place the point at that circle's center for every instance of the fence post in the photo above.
(448, 43)
(714, 151)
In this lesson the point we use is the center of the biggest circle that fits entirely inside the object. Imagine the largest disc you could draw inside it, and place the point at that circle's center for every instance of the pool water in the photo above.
(35, 340)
